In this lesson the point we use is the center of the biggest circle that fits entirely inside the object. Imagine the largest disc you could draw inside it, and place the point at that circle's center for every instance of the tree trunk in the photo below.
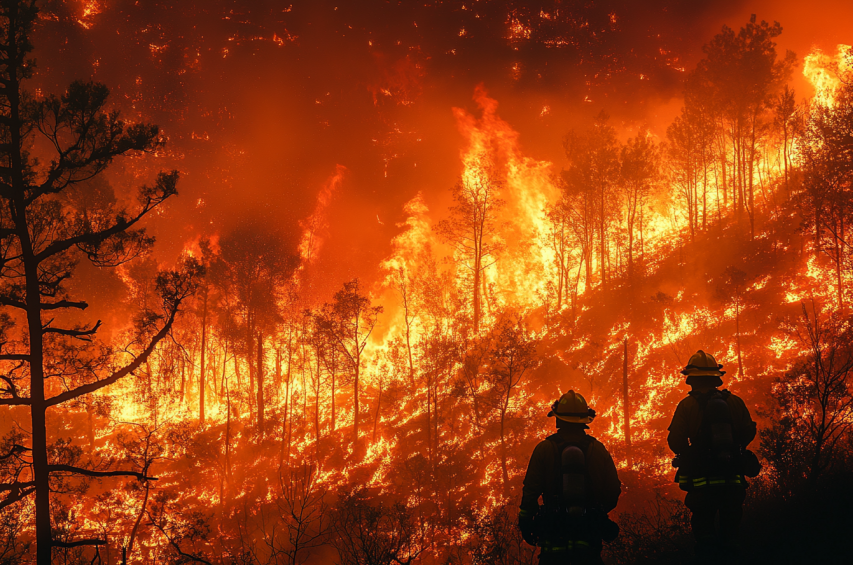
(317, 400)
(355, 393)
(250, 353)
(135, 529)
(260, 379)
(626, 406)
(201, 375)
(504, 470)
(477, 275)
(378, 406)
(737, 331)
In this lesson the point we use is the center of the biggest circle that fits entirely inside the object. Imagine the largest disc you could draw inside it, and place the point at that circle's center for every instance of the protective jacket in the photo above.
(684, 438)
(542, 479)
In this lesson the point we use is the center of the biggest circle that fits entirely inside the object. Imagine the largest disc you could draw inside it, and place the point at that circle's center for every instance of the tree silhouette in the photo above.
(42, 238)
(472, 225)
(639, 172)
(255, 263)
(348, 321)
(740, 74)
(591, 177)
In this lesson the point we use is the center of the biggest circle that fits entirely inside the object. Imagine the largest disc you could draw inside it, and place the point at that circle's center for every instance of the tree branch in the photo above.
(16, 496)
(90, 473)
(84, 335)
(64, 304)
(16, 486)
(8, 301)
(174, 543)
(15, 357)
(120, 226)
(15, 401)
(132, 366)
(78, 543)
(15, 449)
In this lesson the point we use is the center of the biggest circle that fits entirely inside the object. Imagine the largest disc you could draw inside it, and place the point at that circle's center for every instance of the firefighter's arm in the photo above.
(747, 426)
(678, 430)
(534, 481)
(609, 485)
(534, 486)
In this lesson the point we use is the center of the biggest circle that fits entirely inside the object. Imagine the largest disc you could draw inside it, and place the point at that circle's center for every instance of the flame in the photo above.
(825, 72)
(314, 226)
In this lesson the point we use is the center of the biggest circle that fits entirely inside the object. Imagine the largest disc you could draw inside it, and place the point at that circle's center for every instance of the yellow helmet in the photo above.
(702, 364)
(572, 408)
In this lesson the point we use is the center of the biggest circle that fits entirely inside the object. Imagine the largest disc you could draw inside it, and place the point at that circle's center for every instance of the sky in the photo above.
(263, 102)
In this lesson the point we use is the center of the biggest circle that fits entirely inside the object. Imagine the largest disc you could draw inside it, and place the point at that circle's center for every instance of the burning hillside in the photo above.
(388, 237)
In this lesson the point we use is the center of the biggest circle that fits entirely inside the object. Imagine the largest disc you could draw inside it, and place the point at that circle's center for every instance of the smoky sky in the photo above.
(262, 100)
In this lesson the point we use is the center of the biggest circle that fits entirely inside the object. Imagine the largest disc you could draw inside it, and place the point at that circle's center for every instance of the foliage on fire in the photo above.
(242, 415)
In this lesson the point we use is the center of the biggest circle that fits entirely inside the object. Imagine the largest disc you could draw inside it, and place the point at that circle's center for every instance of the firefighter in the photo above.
(577, 480)
(709, 434)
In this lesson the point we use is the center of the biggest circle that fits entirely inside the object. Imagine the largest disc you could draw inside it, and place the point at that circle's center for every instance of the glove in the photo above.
(528, 528)
(607, 529)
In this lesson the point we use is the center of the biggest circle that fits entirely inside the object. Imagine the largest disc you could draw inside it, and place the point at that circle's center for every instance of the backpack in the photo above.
(570, 492)
(718, 450)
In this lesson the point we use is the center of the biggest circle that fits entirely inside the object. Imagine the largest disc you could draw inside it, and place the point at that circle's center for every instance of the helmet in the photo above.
(572, 408)
(702, 364)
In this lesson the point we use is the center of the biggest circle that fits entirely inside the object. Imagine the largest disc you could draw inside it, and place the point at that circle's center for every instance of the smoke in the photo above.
(262, 101)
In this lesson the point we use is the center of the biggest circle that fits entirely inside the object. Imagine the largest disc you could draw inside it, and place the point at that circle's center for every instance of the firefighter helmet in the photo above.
(572, 408)
(702, 364)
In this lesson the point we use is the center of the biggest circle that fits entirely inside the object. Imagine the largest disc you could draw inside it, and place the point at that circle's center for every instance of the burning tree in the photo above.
(827, 162)
(512, 353)
(734, 86)
(472, 226)
(254, 264)
(589, 183)
(348, 321)
(640, 164)
(51, 218)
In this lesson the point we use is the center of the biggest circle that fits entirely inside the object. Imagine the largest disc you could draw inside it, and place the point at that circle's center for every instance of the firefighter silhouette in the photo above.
(709, 433)
(577, 480)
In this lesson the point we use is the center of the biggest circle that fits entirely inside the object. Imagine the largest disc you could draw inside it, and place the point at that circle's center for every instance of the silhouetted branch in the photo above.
(135, 364)
(15, 357)
(174, 543)
(64, 304)
(16, 496)
(90, 473)
(15, 486)
(78, 543)
(9, 301)
(84, 335)
(15, 401)
(16, 449)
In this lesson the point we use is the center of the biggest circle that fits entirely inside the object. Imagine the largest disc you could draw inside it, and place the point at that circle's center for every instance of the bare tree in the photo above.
(306, 516)
(472, 225)
(816, 392)
(374, 534)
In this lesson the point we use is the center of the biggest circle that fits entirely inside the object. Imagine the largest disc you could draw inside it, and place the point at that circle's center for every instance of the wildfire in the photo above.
(396, 380)
(824, 72)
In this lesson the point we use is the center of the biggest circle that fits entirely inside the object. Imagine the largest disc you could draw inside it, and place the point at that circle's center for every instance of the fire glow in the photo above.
(294, 378)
